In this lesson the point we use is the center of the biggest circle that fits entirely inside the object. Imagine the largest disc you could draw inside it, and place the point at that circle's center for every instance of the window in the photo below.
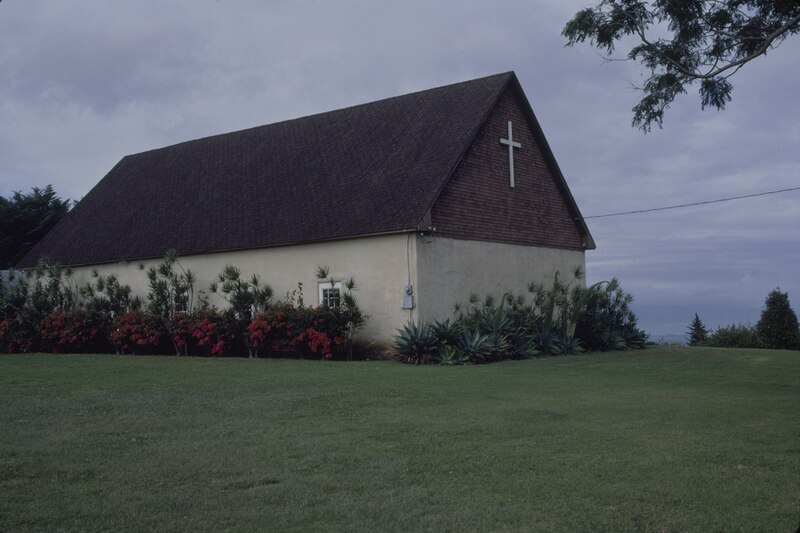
(329, 294)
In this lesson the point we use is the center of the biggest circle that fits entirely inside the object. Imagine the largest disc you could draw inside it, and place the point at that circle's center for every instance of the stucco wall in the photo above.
(378, 264)
(449, 270)
(443, 271)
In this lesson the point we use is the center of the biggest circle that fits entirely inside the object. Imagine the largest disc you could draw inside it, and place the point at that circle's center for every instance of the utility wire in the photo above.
(691, 204)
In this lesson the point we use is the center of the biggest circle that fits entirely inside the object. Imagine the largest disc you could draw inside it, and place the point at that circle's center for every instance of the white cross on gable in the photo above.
(511, 145)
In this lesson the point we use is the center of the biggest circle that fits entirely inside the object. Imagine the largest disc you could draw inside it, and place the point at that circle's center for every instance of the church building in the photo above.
(422, 199)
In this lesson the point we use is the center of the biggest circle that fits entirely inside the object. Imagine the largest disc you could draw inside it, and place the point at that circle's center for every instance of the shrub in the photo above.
(446, 332)
(512, 327)
(217, 331)
(476, 346)
(608, 323)
(415, 344)
(170, 287)
(31, 295)
(734, 336)
(348, 313)
(106, 296)
(449, 355)
(136, 332)
(73, 332)
(17, 336)
(180, 328)
(307, 332)
(246, 297)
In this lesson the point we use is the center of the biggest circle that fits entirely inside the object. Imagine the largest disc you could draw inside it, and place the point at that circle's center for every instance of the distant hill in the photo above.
(672, 338)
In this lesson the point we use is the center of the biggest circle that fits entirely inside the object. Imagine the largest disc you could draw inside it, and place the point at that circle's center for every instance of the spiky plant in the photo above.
(475, 346)
(451, 356)
(415, 345)
(446, 332)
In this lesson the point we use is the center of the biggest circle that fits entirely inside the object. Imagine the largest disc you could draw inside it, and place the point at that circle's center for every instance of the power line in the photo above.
(692, 204)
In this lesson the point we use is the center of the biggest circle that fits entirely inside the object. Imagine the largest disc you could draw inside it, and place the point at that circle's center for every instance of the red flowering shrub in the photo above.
(136, 331)
(308, 332)
(71, 332)
(316, 342)
(16, 336)
(271, 331)
(215, 330)
(181, 329)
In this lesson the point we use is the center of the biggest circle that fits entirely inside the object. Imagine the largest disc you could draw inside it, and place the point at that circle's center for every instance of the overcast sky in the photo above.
(84, 83)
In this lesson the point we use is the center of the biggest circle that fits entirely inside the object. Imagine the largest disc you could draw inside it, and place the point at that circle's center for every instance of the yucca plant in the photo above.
(415, 345)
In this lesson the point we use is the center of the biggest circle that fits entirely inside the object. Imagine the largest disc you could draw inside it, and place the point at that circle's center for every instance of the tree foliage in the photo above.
(25, 219)
(698, 333)
(778, 327)
(686, 42)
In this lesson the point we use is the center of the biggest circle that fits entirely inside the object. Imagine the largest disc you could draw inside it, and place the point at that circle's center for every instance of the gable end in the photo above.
(479, 203)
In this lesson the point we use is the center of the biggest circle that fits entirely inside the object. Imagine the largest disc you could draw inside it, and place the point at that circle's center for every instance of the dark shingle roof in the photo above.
(369, 169)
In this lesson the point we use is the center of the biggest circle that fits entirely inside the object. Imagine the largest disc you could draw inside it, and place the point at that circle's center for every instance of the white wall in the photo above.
(442, 271)
(450, 269)
(378, 264)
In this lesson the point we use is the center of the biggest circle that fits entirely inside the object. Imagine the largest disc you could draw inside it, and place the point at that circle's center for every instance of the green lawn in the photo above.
(666, 439)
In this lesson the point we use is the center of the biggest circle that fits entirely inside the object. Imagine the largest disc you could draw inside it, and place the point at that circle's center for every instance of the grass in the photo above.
(669, 439)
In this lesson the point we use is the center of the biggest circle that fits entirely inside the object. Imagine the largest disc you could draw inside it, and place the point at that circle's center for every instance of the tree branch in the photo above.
(714, 73)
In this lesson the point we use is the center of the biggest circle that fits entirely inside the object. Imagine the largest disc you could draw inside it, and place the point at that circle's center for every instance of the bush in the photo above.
(17, 336)
(73, 332)
(306, 332)
(216, 331)
(415, 344)
(514, 328)
(181, 328)
(734, 336)
(136, 332)
(107, 297)
(607, 322)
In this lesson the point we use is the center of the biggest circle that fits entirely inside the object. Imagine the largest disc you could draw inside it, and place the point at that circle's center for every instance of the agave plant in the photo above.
(524, 346)
(450, 356)
(570, 346)
(547, 342)
(415, 345)
(475, 346)
(611, 340)
(446, 332)
(498, 328)
(635, 338)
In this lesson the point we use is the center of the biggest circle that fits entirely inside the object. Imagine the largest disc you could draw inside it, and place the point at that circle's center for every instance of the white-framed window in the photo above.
(330, 294)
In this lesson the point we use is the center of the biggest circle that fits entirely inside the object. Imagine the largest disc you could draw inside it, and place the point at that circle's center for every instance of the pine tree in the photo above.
(697, 331)
(778, 327)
